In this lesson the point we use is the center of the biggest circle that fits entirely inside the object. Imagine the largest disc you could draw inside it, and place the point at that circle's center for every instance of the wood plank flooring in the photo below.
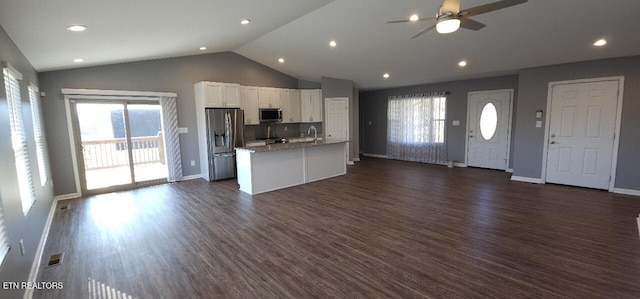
(388, 229)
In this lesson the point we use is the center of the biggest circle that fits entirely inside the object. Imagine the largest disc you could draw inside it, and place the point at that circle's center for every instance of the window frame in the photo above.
(38, 135)
(18, 137)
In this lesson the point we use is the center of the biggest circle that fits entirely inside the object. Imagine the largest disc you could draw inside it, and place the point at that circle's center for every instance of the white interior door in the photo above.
(337, 119)
(489, 120)
(581, 134)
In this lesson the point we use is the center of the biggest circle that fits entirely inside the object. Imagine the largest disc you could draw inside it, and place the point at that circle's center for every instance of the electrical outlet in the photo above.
(369, 122)
(285, 128)
(193, 162)
(21, 247)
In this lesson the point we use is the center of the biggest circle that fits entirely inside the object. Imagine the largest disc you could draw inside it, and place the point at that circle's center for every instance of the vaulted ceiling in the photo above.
(539, 32)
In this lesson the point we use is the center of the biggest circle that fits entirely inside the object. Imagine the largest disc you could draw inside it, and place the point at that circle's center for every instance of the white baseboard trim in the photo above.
(459, 164)
(191, 177)
(35, 266)
(66, 196)
(626, 191)
(526, 179)
(356, 159)
(509, 170)
(375, 156)
(350, 163)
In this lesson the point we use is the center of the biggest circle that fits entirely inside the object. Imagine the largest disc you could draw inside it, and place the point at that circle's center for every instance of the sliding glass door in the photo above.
(120, 144)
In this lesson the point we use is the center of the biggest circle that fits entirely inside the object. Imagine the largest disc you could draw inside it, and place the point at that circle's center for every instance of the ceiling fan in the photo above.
(450, 17)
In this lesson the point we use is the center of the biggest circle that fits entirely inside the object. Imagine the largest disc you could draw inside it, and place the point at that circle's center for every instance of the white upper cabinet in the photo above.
(290, 103)
(218, 95)
(311, 105)
(269, 97)
(249, 103)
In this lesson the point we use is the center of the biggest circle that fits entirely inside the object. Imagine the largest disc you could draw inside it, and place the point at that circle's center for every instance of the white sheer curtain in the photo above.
(171, 138)
(416, 128)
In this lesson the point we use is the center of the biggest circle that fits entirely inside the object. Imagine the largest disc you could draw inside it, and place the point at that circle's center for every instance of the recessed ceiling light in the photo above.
(601, 42)
(333, 44)
(78, 60)
(386, 76)
(281, 60)
(77, 28)
(462, 63)
(414, 18)
(245, 21)
(203, 48)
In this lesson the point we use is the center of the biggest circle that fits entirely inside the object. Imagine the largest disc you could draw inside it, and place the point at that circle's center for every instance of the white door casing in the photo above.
(489, 148)
(337, 120)
(581, 133)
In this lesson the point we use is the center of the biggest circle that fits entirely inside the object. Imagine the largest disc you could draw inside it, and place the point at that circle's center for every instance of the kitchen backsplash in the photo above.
(255, 132)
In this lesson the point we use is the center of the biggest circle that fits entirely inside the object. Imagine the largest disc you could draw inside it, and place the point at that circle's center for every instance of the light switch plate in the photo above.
(538, 124)
(183, 130)
(456, 123)
(539, 114)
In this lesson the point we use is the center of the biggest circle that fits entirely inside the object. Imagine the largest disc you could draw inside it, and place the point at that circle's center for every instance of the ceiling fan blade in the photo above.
(423, 31)
(452, 6)
(409, 21)
(490, 7)
(471, 24)
(397, 21)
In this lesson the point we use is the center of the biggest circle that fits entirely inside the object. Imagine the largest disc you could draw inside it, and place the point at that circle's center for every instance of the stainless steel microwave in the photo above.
(270, 115)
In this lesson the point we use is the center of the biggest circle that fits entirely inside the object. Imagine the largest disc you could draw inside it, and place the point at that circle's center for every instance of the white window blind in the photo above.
(4, 242)
(37, 133)
(18, 138)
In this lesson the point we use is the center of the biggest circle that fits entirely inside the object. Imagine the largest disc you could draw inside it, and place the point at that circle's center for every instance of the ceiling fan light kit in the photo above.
(450, 18)
(448, 24)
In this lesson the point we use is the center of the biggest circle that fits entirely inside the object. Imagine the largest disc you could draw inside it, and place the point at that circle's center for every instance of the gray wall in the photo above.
(303, 84)
(17, 267)
(373, 112)
(533, 88)
(339, 88)
(171, 75)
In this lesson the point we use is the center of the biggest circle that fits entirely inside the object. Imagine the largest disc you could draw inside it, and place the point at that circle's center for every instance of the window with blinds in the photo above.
(18, 138)
(4, 240)
(37, 133)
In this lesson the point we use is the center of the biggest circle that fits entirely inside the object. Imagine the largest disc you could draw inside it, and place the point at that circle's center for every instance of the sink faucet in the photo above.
(315, 133)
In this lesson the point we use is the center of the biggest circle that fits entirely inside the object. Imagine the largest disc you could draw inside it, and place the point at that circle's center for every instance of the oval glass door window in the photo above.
(488, 121)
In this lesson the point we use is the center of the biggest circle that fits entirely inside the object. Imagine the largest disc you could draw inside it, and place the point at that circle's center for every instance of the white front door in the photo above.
(337, 120)
(489, 120)
(581, 134)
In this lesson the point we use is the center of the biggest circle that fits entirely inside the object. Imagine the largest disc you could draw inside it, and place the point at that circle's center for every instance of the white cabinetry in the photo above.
(249, 103)
(311, 105)
(217, 95)
(269, 97)
(290, 103)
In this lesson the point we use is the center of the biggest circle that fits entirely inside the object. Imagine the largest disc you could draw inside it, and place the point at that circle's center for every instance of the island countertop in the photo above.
(286, 146)
(276, 166)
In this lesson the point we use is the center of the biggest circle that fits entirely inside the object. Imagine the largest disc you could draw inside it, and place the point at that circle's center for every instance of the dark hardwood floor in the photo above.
(388, 229)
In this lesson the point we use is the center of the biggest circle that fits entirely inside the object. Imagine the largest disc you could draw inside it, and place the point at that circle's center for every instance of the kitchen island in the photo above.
(276, 166)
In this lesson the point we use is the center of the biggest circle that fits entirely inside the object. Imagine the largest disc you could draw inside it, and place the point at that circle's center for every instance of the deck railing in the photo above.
(110, 153)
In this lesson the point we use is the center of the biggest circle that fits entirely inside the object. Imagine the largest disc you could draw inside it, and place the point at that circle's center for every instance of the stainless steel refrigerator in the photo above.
(225, 132)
